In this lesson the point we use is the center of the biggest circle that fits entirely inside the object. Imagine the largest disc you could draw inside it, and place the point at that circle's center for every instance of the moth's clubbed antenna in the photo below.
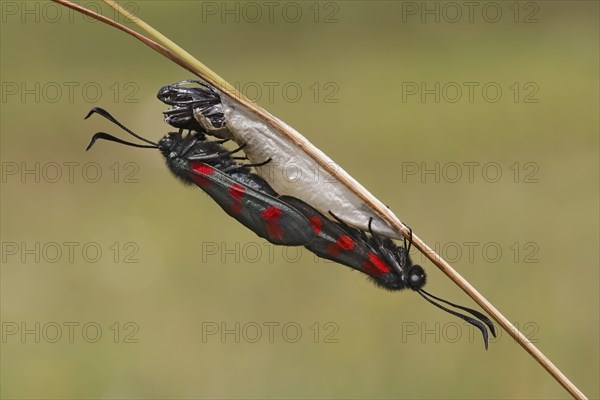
(111, 138)
(472, 321)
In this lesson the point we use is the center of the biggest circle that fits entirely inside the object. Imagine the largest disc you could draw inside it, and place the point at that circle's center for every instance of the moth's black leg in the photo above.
(260, 164)
(409, 240)
(238, 149)
(189, 146)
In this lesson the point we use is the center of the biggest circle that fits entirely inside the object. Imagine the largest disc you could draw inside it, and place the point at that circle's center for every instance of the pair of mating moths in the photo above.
(259, 201)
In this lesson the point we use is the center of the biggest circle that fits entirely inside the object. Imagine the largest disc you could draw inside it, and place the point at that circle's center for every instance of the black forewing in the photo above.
(264, 214)
(340, 243)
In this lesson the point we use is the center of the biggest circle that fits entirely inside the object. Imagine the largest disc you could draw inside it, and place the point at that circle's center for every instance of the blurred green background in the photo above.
(193, 270)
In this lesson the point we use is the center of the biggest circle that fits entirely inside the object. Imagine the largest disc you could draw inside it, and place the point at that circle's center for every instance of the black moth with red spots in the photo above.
(283, 220)
(241, 194)
(338, 242)
(386, 264)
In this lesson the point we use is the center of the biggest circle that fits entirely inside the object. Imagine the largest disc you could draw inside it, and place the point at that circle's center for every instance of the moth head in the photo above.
(415, 277)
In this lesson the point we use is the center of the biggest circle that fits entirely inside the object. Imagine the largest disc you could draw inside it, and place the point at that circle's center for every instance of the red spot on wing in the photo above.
(345, 243)
(236, 208)
(274, 231)
(271, 214)
(201, 169)
(375, 265)
(236, 191)
(333, 249)
(316, 223)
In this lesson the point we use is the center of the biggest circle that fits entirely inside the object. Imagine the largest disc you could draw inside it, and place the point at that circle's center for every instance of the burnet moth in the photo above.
(287, 220)
(241, 194)
(197, 105)
(386, 264)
